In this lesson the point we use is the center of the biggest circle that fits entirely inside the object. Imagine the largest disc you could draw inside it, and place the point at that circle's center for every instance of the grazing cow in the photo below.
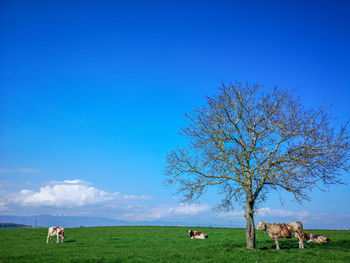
(316, 238)
(55, 231)
(197, 235)
(286, 230)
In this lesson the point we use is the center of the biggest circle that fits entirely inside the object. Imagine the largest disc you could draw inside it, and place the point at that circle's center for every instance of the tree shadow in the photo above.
(341, 244)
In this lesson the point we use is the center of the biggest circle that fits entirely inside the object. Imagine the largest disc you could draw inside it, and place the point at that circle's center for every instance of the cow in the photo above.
(197, 235)
(311, 238)
(55, 231)
(284, 230)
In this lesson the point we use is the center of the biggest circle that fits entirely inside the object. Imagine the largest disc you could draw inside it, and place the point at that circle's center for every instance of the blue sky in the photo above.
(93, 95)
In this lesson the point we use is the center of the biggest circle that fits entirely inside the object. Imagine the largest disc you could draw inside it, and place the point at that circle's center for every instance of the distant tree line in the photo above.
(13, 225)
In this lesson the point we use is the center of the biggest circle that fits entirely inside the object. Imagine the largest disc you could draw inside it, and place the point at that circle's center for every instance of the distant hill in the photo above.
(65, 221)
(80, 221)
(13, 225)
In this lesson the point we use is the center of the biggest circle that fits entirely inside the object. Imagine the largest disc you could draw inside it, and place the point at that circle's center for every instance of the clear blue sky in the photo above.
(93, 95)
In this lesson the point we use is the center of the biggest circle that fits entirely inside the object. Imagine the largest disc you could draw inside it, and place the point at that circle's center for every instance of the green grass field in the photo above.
(164, 244)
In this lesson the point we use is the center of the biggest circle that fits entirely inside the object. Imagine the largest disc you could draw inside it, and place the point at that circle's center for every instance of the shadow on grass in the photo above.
(288, 244)
(283, 244)
(343, 244)
(274, 248)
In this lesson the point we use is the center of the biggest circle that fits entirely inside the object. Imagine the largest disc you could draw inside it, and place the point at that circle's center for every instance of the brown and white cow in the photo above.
(197, 235)
(284, 230)
(55, 231)
(311, 238)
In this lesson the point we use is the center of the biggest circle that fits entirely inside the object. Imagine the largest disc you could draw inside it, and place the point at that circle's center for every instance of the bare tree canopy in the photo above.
(248, 142)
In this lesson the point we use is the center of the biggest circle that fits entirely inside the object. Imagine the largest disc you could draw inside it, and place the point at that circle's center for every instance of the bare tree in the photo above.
(248, 142)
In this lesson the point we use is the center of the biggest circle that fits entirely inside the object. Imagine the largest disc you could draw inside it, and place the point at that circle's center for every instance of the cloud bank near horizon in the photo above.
(80, 198)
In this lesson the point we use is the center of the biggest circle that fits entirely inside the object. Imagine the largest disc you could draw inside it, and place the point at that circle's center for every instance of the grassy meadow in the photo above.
(164, 244)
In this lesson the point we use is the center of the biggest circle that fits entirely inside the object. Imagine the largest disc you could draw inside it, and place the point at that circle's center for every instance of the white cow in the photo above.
(55, 231)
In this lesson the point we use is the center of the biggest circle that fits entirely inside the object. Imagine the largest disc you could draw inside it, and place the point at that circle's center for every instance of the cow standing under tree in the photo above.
(284, 230)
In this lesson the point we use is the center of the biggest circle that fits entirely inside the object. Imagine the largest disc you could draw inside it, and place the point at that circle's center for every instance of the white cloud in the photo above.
(68, 194)
(77, 181)
(3, 205)
(179, 210)
(184, 209)
(135, 197)
(268, 212)
(63, 196)
(164, 212)
(234, 214)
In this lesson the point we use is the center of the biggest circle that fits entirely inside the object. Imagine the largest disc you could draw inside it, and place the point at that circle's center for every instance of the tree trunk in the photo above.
(250, 226)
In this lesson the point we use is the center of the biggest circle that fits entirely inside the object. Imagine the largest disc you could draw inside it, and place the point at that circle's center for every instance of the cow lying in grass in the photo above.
(316, 238)
(284, 230)
(55, 231)
(197, 235)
